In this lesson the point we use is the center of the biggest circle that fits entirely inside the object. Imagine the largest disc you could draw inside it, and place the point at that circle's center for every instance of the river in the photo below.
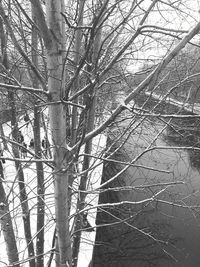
(160, 224)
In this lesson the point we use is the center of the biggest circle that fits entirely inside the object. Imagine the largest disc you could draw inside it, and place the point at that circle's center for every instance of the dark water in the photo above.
(164, 231)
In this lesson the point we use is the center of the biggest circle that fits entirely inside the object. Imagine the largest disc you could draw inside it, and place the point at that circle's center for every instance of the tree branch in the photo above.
(23, 88)
(74, 27)
(42, 25)
(152, 76)
(17, 45)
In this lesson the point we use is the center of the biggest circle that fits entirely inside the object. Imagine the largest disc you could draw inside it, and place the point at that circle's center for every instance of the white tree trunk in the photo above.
(53, 33)
(56, 82)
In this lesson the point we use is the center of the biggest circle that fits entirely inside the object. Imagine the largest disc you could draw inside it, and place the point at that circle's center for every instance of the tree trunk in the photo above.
(53, 33)
(38, 152)
(90, 120)
(56, 84)
(77, 46)
(3, 135)
(21, 182)
(40, 191)
(7, 226)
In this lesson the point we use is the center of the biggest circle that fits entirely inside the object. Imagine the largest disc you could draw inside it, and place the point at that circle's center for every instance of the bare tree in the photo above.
(65, 57)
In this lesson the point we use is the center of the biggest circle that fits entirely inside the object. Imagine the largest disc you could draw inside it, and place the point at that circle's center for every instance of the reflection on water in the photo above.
(164, 231)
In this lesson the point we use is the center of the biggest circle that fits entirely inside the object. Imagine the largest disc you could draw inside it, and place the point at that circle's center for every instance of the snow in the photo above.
(87, 238)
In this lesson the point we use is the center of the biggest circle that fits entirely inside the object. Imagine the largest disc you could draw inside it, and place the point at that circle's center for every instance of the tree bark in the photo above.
(38, 152)
(23, 195)
(90, 121)
(2, 133)
(56, 85)
(77, 52)
(21, 182)
(53, 34)
(7, 226)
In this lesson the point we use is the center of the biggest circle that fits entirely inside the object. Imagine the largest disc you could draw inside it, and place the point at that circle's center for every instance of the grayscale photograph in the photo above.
(99, 133)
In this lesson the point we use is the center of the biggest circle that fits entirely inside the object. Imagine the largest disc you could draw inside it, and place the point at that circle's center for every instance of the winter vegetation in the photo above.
(99, 133)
